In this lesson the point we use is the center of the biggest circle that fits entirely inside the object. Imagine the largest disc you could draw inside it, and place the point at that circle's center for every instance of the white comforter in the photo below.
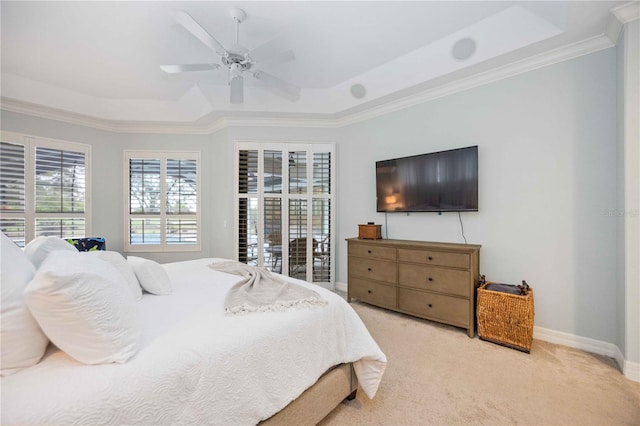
(197, 365)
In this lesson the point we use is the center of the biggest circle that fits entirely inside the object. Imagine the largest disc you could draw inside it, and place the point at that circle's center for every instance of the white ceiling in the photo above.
(101, 59)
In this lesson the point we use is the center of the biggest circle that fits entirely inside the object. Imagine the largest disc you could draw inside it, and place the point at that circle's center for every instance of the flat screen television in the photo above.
(435, 182)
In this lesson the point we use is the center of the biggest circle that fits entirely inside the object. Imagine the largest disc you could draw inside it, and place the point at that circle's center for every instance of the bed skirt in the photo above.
(319, 400)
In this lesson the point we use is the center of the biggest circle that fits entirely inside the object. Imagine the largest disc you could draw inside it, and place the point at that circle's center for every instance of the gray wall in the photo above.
(547, 147)
(547, 164)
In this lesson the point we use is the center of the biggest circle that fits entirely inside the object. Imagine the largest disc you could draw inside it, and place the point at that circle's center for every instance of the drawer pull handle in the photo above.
(430, 258)
(369, 251)
(430, 305)
(369, 291)
(430, 279)
(369, 269)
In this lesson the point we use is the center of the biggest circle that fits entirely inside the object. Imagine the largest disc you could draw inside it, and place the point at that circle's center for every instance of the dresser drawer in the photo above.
(372, 251)
(372, 292)
(443, 280)
(432, 257)
(453, 310)
(375, 269)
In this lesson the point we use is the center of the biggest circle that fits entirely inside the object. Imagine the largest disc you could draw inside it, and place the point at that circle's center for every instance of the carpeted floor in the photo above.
(437, 375)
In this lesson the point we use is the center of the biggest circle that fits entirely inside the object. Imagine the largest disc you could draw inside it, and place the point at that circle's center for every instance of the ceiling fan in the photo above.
(238, 60)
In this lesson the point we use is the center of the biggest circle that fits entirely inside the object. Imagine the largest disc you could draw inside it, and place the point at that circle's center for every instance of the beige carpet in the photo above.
(437, 375)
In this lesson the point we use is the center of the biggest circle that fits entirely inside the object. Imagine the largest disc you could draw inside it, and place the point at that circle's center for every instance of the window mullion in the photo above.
(260, 242)
(30, 190)
(286, 196)
(163, 202)
(309, 198)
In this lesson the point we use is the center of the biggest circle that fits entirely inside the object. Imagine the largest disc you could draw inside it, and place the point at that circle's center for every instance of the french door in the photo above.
(285, 208)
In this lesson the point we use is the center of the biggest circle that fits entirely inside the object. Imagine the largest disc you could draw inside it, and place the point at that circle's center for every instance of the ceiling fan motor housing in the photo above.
(232, 59)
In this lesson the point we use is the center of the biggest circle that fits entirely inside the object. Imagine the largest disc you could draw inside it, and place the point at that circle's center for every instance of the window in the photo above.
(43, 187)
(163, 206)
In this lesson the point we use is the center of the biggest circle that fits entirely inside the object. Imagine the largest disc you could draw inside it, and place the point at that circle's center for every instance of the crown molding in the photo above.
(627, 12)
(216, 125)
(272, 122)
(42, 111)
(565, 53)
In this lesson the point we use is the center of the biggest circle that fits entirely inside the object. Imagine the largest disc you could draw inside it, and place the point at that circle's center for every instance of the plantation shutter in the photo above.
(12, 191)
(181, 200)
(43, 187)
(163, 205)
(285, 208)
(60, 192)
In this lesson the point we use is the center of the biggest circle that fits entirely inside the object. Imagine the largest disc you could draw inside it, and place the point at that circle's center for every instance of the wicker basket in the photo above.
(506, 319)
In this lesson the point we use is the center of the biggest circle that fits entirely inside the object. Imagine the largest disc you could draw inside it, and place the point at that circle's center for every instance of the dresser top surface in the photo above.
(417, 244)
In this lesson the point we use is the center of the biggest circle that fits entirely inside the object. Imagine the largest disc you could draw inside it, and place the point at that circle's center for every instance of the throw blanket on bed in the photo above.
(262, 291)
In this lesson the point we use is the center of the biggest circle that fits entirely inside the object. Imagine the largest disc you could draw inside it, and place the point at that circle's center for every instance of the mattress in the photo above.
(197, 365)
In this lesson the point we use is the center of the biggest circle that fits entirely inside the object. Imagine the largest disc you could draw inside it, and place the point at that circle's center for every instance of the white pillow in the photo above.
(22, 341)
(152, 276)
(116, 260)
(37, 250)
(85, 307)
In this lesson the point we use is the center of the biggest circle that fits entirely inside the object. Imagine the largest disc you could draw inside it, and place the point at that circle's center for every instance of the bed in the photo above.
(196, 365)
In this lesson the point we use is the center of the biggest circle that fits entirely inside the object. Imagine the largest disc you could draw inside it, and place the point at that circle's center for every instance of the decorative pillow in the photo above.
(85, 307)
(152, 276)
(89, 243)
(116, 260)
(37, 250)
(23, 342)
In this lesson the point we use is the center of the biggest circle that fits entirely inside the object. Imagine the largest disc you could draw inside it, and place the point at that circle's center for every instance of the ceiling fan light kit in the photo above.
(237, 59)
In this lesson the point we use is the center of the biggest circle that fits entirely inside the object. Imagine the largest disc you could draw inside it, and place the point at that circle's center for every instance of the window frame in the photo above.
(30, 215)
(164, 246)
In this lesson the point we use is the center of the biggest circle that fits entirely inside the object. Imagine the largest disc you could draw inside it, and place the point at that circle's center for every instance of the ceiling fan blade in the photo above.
(272, 51)
(279, 58)
(190, 24)
(237, 90)
(173, 69)
(278, 86)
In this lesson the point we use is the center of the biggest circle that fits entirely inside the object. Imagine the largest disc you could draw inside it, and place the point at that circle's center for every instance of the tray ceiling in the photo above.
(101, 59)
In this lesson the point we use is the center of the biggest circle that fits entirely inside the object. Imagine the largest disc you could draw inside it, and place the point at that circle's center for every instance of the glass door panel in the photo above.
(248, 231)
(322, 244)
(297, 172)
(248, 172)
(285, 210)
(273, 234)
(272, 175)
(247, 206)
(322, 173)
(298, 239)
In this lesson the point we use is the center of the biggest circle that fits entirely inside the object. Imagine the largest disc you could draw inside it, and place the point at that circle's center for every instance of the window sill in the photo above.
(164, 248)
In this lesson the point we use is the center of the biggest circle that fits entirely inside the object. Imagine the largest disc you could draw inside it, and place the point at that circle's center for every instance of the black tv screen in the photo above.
(435, 182)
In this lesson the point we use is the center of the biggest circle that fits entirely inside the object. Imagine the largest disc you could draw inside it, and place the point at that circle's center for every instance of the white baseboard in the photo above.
(341, 286)
(631, 370)
(573, 341)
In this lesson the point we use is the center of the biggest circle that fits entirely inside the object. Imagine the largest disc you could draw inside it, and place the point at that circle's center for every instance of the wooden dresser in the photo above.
(429, 280)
